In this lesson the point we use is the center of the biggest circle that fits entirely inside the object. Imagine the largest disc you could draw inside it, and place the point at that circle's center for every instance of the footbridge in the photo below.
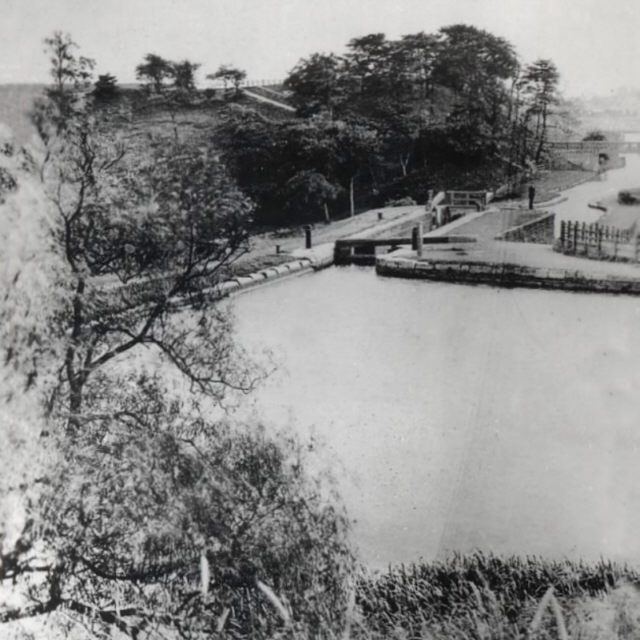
(596, 146)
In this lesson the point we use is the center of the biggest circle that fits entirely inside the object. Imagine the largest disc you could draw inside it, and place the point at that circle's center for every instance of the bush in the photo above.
(626, 197)
(406, 201)
(199, 526)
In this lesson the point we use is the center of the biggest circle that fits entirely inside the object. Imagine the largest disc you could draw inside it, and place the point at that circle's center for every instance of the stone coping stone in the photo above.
(508, 275)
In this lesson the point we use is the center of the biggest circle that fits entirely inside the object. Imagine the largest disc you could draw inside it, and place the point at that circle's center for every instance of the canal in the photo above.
(460, 417)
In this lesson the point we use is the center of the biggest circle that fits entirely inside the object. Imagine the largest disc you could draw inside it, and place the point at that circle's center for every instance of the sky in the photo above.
(594, 43)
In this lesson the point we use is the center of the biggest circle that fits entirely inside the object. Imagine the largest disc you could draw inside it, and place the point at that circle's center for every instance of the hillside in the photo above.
(15, 102)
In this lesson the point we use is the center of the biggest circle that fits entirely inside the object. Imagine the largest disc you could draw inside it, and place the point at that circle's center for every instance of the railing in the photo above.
(595, 146)
(247, 84)
(467, 198)
(596, 241)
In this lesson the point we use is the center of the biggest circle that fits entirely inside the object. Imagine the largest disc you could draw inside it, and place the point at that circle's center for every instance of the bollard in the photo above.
(414, 238)
(307, 236)
(419, 239)
(277, 249)
(380, 215)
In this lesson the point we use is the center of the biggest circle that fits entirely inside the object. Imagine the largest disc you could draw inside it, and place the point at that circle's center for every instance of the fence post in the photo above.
(562, 232)
(616, 236)
(419, 239)
(599, 240)
(636, 247)
(575, 237)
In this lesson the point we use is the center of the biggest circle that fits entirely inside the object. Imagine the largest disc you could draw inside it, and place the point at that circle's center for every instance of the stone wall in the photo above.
(505, 275)
(538, 231)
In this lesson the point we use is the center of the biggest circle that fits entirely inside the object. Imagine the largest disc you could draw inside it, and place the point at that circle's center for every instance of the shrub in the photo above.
(406, 201)
(626, 197)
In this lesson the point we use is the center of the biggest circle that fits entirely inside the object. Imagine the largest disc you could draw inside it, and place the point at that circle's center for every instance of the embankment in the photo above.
(506, 275)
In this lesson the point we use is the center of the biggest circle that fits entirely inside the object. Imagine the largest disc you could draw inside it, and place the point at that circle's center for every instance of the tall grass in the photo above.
(483, 597)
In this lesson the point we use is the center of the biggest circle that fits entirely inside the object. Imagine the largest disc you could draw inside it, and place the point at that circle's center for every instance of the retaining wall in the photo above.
(505, 275)
(538, 231)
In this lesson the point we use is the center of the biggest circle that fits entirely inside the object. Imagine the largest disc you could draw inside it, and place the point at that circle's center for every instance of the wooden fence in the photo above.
(597, 241)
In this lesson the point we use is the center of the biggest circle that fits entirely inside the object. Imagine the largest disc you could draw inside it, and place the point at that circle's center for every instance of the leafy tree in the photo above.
(213, 528)
(183, 74)
(472, 60)
(414, 59)
(539, 85)
(229, 75)
(307, 192)
(357, 148)
(71, 81)
(368, 60)
(154, 71)
(106, 88)
(153, 517)
(317, 84)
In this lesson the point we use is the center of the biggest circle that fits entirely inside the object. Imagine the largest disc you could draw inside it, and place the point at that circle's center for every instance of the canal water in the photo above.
(460, 417)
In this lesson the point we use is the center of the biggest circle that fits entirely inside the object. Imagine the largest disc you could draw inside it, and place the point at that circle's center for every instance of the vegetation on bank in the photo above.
(145, 513)
(482, 596)
(143, 509)
(397, 118)
(389, 119)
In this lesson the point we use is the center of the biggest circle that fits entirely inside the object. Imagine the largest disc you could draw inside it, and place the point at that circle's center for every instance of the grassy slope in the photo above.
(16, 101)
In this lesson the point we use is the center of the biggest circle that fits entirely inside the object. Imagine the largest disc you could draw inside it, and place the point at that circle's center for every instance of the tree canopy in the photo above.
(150, 514)
(396, 118)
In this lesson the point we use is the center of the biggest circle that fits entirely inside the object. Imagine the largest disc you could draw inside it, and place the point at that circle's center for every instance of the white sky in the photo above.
(594, 43)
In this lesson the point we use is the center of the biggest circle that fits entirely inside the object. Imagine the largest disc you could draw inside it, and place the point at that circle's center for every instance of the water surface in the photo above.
(463, 417)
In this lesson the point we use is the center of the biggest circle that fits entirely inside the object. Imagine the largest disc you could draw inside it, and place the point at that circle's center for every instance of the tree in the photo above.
(357, 147)
(539, 85)
(307, 192)
(414, 58)
(154, 71)
(152, 515)
(317, 84)
(229, 74)
(183, 74)
(71, 76)
(106, 88)
(162, 522)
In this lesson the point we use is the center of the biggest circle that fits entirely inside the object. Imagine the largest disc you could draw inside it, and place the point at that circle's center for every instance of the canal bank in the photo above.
(531, 266)
(497, 260)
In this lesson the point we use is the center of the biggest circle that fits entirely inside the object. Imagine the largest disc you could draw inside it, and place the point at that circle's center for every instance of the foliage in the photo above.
(627, 197)
(594, 136)
(315, 83)
(106, 88)
(206, 515)
(154, 71)
(30, 341)
(263, 155)
(307, 192)
(400, 202)
(183, 74)
(421, 110)
(481, 596)
(539, 83)
(229, 75)
(146, 494)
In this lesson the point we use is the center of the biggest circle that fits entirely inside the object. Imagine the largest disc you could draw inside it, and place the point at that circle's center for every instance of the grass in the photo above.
(481, 596)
